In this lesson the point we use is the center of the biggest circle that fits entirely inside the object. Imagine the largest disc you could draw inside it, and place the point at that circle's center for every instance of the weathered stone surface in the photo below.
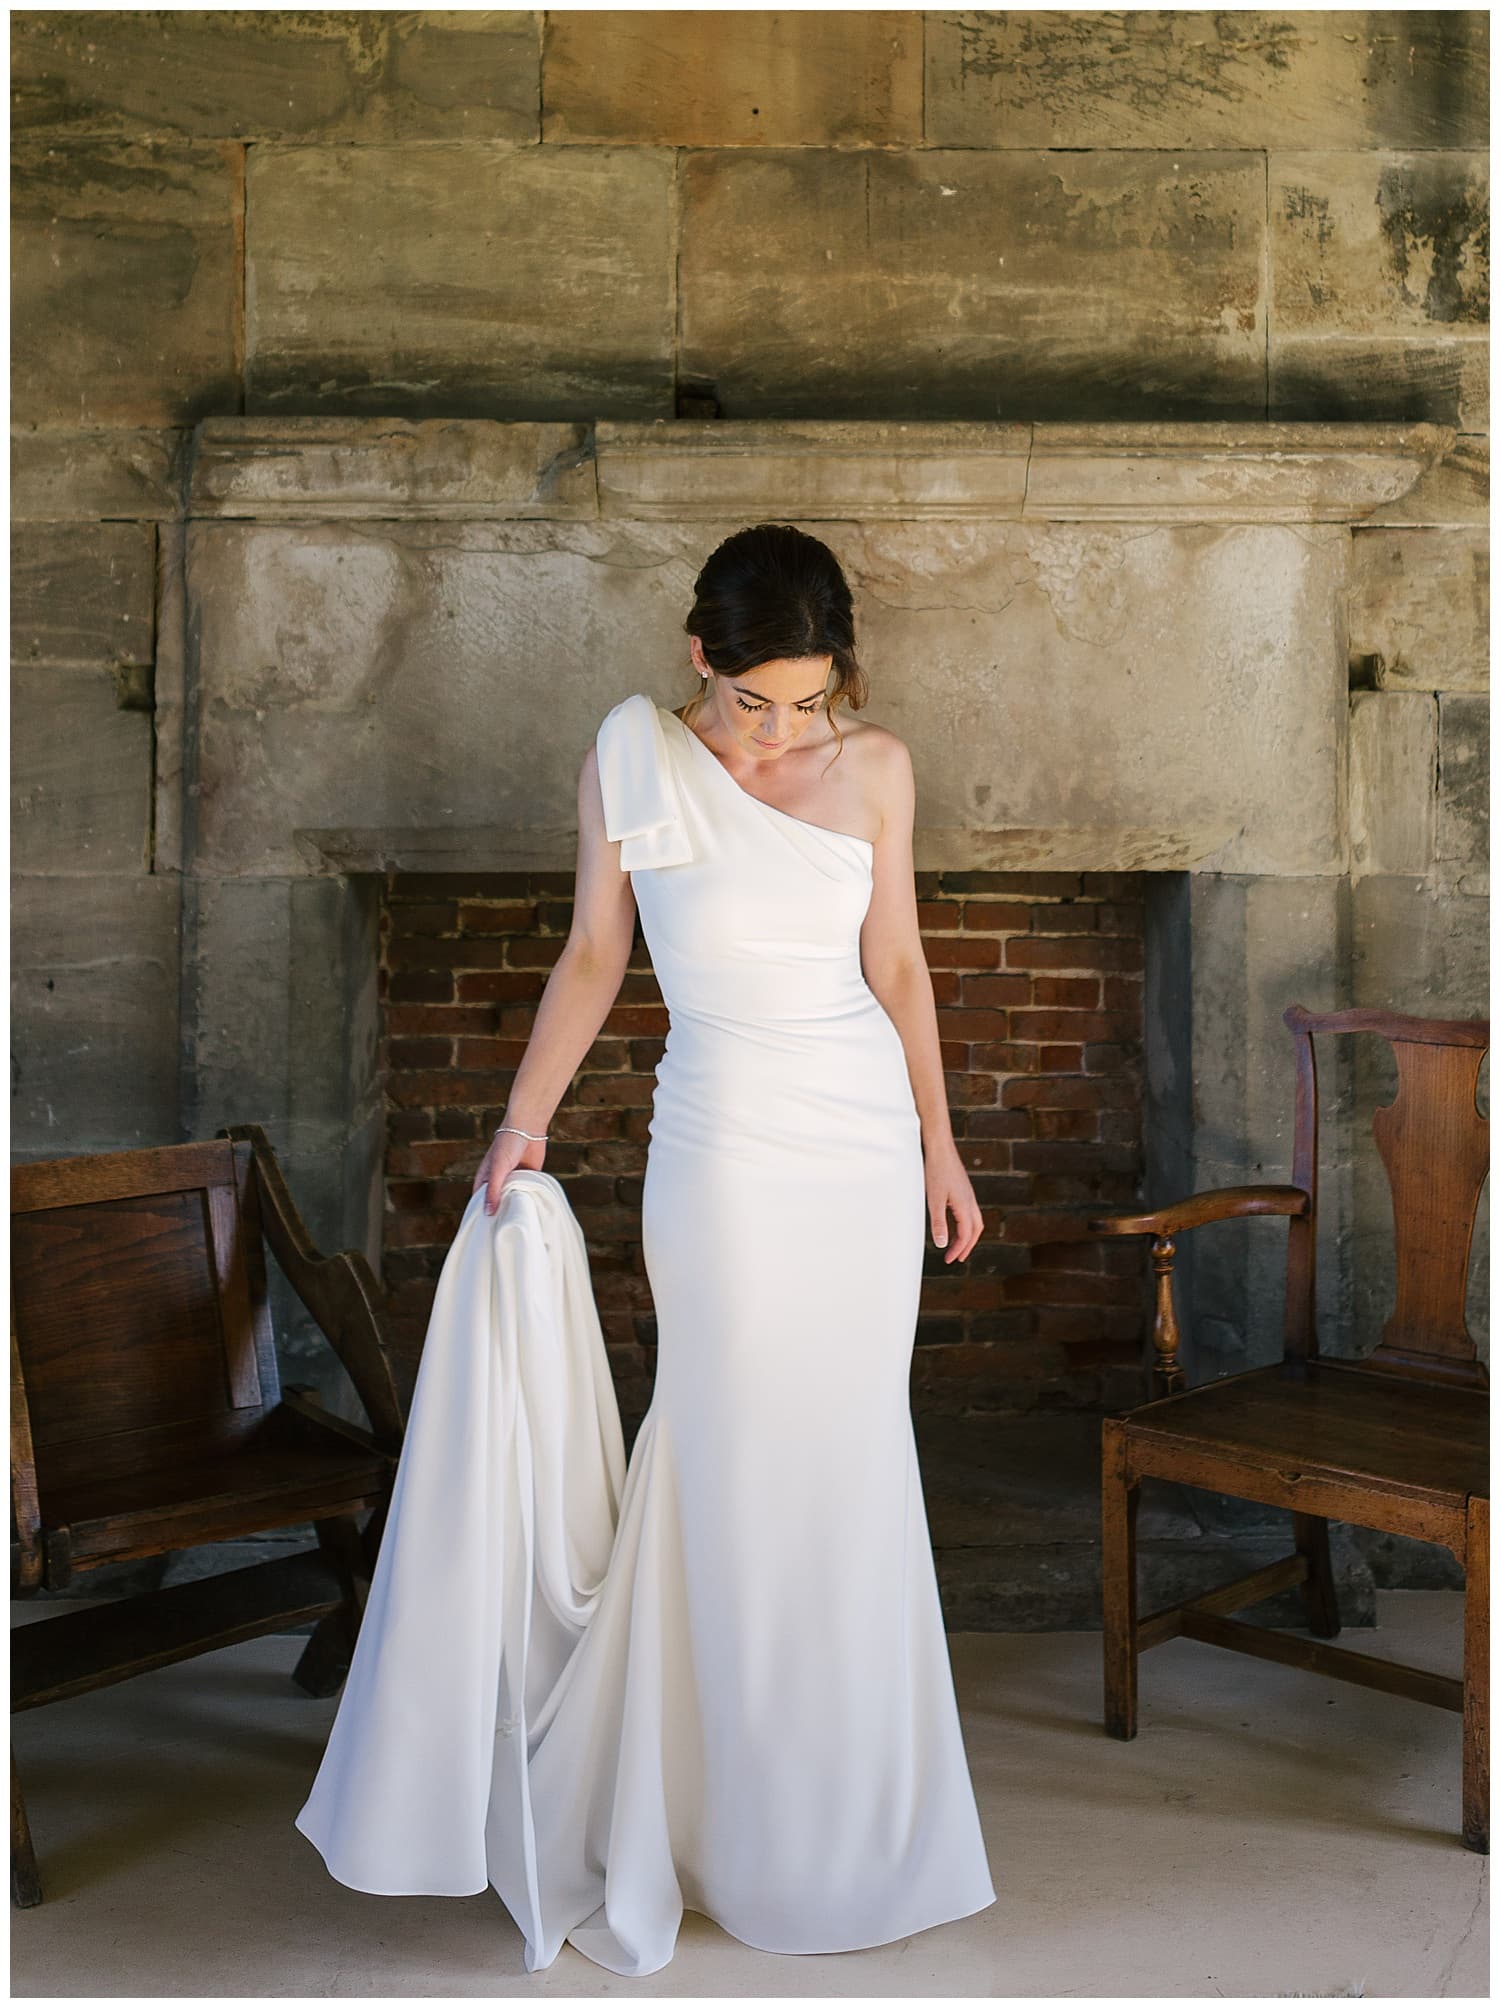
(348, 680)
(169, 692)
(1376, 377)
(1222, 473)
(236, 940)
(1419, 602)
(425, 281)
(1372, 244)
(1141, 472)
(721, 77)
(80, 775)
(1463, 814)
(811, 468)
(1392, 780)
(1380, 286)
(82, 477)
(474, 469)
(479, 469)
(1453, 494)
(1419, 948)
(82, 596)
(126, 283)
(240, 74)
(865, 285)
(1250, 947)
(1242, 77)
(93, 1014)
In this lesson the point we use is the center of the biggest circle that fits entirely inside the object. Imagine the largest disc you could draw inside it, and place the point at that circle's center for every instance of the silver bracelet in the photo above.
(520, 1132)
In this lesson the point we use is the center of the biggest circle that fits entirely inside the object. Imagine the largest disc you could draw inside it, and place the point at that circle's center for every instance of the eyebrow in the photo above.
(768, 700)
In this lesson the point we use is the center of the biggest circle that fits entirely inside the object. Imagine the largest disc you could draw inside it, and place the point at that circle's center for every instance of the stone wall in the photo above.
(631, 216)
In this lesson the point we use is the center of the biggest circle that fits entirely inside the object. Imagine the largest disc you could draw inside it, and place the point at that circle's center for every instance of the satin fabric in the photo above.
(722, 1683)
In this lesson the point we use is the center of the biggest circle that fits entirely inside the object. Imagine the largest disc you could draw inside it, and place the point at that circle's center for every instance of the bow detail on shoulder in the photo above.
(642, 805)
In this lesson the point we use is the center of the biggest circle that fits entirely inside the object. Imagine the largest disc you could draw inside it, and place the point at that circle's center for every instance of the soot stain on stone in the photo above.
(1420, 210)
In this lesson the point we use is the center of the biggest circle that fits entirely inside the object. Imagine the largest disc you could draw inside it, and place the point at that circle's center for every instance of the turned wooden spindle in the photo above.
(1165, 1336)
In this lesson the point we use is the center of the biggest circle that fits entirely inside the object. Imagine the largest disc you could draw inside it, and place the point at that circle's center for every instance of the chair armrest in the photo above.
(1228, 1202)
(341, 1291)
(307, 1402)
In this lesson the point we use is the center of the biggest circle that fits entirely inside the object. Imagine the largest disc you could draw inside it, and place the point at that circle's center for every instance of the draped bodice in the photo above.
(750, 914)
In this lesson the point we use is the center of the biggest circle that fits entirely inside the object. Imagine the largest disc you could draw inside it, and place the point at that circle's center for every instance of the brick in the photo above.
(995, 991)
(1075, 1027)
(954, 951)
(1067, 993)
(1059, 1059)
(1055, 1091)
(1082, 951)
(982, 916)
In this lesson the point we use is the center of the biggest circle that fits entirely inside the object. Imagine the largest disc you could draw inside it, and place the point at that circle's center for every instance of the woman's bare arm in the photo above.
(584, 983)
(895, 967)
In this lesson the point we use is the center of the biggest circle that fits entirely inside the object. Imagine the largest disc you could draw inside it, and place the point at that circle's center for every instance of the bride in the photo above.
(749, 1710)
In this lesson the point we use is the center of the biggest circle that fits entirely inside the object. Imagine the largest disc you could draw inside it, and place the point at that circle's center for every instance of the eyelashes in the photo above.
(806, 710)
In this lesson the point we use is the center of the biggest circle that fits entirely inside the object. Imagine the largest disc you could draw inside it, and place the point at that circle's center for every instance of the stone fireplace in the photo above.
(1121, 656)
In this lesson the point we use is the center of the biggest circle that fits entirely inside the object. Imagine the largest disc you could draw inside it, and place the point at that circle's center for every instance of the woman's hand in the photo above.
(506, 1151)
(949, 1191)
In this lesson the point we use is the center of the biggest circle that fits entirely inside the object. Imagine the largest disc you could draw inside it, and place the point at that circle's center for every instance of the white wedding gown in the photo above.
(718, 1678)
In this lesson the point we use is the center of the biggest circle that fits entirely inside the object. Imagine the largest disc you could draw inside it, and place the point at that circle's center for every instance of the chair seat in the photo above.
(1337, 1424)
(284, 1471)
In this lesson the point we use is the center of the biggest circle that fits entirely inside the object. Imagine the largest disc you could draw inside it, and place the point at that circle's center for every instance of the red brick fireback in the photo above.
(1038, 985)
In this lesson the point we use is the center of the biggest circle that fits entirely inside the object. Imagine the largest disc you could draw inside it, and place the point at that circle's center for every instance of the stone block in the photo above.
(1393, 764)
(1463, 805)
(1256, 945)
(324, 650)
(471, 469)
(1223, 473)
(1370, 244)
(126, 278)
(84, 477)
(682, 468)
(720, 77)
(1420, 947)
(1379, 379)
(1419, 604)
(424, 281)
(82, 596)
(252, 75)
(1417, 948)
(93, 1014)
(235, 1004)
(80, 774)
(1237, 78)
(1453, 494)
(846, 284)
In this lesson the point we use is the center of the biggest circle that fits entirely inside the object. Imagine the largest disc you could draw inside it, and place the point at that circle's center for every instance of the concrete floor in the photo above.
(1268, 1833)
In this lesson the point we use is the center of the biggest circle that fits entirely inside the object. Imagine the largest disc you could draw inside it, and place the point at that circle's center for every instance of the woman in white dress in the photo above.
(750, 1712)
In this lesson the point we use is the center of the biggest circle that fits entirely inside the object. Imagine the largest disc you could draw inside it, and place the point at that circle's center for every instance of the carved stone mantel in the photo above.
(1108, 646)
(316, 469)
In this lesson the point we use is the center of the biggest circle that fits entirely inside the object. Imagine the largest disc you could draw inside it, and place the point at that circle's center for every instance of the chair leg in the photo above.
(1119, 1500)
(1319, 1597)
(25, 1882)
(324, 1660)
(1477, 1678)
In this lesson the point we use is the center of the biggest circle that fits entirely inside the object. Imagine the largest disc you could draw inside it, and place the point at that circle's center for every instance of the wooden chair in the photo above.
(147, 1416)
(1397, 1440)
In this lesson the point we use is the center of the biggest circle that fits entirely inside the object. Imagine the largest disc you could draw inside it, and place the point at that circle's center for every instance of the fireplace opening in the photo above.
(1038, 980)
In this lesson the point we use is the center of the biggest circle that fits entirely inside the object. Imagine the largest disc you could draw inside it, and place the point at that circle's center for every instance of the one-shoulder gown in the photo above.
(740, 1701)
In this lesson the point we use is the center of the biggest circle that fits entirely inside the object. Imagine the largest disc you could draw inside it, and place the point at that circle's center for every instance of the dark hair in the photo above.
(772, 593)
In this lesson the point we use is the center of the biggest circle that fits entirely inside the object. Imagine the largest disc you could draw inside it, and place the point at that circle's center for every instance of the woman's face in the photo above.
(768, 708)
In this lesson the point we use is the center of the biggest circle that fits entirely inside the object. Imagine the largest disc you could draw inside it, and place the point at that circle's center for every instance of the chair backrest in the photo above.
(138, 1304)
(1434, 1144)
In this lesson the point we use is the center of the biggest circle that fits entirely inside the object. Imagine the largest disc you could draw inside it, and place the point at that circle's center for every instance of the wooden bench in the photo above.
(147, 1416)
